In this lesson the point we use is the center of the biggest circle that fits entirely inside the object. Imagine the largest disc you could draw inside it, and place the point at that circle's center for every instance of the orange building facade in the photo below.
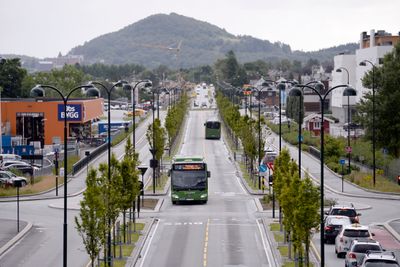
(42, 120)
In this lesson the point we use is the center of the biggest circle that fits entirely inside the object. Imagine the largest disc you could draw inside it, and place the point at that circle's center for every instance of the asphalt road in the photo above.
(223, 232)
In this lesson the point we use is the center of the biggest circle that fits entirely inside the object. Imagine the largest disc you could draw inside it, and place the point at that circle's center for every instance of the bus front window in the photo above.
(183, 180)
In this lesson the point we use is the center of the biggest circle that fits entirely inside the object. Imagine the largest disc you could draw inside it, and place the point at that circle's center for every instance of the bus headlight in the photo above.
(174, 196)
(203, 195)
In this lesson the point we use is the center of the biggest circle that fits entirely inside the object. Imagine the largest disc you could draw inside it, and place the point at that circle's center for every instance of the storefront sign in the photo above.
(74, 112)
(30, 114)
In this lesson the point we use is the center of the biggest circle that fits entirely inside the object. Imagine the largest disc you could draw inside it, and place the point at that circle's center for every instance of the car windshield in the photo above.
(182, 180)
(363, 248)
(380, 263)
(344, 212)
(356, 233)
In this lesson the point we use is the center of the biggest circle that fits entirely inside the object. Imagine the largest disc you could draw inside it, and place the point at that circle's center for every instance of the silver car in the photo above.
(357, 251)
(348, 234)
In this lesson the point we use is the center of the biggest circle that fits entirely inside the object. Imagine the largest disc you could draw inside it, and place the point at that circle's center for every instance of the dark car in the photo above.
(333, 225)
(345, 210)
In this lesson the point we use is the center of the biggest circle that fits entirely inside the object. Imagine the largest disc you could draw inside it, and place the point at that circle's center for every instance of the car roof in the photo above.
(356, 226)
(385, 255)
(363, 241)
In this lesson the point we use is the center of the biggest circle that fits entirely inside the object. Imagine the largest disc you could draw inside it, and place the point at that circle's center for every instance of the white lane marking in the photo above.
(148, 247)
(264, 244)
(240, 183)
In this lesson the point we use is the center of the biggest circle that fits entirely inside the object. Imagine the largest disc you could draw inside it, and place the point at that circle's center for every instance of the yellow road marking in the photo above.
(206, 244)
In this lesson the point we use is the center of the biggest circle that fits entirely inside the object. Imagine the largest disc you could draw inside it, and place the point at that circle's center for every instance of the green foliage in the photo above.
(174, 119)
(156, 137)
(91, 224)
(64, 79)
(129, 174)
(11, 77)
(298, 199)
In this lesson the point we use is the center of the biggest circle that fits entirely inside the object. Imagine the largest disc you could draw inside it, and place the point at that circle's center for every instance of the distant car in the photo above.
(357, 251)
(333, 225)
(380, 259)
(348, 234)
(203, 104)
(9, 178)
(345, 210)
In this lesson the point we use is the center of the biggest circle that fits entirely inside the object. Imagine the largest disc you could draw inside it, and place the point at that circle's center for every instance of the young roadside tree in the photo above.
(130, 185)
(90, 223)
(110, 188)
(307, 212)
(156, 137)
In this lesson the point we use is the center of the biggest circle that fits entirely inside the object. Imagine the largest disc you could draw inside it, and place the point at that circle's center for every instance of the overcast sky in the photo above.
(42, 28)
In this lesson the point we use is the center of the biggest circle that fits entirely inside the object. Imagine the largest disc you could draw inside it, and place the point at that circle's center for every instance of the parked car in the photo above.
(380, 259)
(8, 179)
(348, 234)
(23, 167)
(5, 157)
(357, 251)
(333, 225)
(345, 210)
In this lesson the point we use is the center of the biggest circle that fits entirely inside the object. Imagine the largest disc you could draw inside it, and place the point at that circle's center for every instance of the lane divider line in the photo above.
(206, 244)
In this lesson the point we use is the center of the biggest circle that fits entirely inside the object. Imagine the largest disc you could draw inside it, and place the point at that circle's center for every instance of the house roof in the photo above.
(315, 117)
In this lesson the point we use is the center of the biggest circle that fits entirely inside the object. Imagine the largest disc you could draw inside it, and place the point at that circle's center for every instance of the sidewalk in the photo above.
(9, 234)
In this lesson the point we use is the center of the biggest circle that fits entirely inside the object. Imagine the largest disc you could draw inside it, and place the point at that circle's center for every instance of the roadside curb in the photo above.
(277, 258)
(135, 255)
(14, 240)
(391, 230)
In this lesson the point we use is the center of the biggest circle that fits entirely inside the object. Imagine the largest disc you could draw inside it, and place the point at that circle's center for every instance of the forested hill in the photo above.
(178, 41)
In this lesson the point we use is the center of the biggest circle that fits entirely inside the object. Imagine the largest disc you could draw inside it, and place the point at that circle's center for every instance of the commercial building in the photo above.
(373, 47)
(41, 121)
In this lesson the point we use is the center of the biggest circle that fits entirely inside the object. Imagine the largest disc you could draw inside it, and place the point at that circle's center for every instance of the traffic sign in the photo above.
(262, 169)
(348, 149)
(300, 138)
(342, 161)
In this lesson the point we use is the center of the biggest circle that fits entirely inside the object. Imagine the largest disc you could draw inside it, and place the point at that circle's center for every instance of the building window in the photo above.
(317, 125)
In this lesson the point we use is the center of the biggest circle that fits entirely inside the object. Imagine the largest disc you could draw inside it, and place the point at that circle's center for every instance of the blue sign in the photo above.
(74, 112)
(342, 161)
(300, 138)
(263, 168)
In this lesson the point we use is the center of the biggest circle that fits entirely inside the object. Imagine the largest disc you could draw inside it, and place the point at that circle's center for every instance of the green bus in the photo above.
(189, 179)
(213, 129)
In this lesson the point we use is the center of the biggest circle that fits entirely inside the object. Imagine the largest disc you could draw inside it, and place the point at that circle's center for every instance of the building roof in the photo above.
(315, 117)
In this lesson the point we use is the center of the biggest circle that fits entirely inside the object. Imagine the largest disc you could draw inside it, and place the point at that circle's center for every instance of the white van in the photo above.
(9, 157)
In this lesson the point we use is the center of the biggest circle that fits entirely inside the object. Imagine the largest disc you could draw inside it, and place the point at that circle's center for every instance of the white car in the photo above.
(348, 234)
(9, 178)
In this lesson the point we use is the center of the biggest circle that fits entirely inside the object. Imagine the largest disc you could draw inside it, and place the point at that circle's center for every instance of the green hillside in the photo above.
(155, 39)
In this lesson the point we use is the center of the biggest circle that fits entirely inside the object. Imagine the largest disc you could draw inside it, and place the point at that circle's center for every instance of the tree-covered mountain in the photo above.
(181, 42)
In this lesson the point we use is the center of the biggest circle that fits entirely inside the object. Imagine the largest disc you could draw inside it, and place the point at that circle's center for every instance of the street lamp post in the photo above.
(364, 63)
(38, 91)
(347, 92)
(108, 91)
(348, 118)
(147, 84)
(258, 90)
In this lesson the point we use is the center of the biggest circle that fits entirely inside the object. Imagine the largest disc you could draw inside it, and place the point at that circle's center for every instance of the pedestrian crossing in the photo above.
(213, 221)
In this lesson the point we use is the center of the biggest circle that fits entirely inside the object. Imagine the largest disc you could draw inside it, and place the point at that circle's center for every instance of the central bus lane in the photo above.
(223, 232)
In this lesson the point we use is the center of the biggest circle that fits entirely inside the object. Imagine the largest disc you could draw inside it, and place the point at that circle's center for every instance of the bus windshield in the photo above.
(213, 124)
(183, 180)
